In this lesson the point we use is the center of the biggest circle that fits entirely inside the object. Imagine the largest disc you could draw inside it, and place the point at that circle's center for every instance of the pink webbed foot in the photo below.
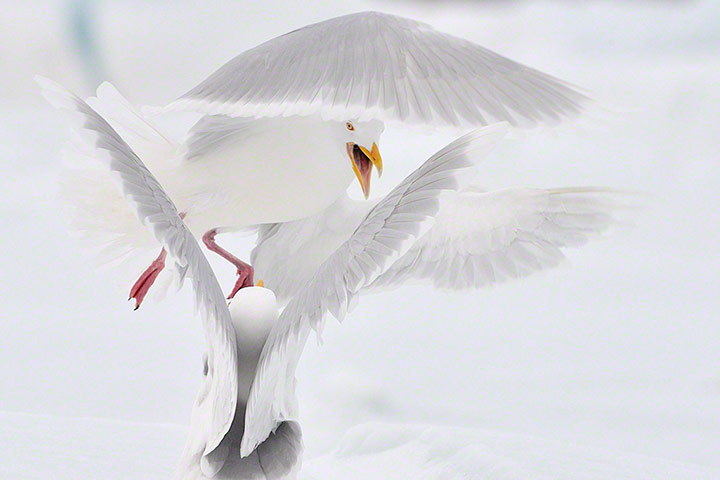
(141, 287)
(245, 271)
(245, 279)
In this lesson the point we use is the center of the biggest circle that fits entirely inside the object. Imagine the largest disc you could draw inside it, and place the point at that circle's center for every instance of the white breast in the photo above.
(287, 255)
(254, 313)
(277, 170)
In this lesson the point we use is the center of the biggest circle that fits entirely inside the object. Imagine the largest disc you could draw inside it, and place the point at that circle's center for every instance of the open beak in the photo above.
(362, 161)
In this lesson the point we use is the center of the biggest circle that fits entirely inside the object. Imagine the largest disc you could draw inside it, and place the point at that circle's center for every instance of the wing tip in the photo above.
(55, 94)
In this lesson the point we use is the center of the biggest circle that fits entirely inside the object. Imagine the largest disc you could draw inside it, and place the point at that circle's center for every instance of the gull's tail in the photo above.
(97, 211)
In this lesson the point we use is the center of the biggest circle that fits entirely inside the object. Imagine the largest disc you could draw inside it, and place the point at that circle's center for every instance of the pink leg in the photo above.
(245, 271)
(143, 284)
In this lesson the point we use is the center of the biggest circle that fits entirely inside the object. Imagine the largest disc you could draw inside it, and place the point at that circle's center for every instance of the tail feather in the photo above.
(145, 138)
(99, 215)
(97, 212)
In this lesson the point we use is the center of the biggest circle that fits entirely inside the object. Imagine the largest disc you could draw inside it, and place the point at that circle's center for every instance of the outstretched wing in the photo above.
(386, 233)
(158, 213)
(373, 65)
(481, 238)
(478, 238)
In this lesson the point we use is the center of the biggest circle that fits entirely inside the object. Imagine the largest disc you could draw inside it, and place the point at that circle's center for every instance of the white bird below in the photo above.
(254, 313)
(285, 127)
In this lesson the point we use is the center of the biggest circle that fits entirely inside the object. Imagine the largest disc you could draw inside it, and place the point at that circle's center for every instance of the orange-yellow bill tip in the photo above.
(363, 184)
(376, 159)
(373, 156)
(260, 283)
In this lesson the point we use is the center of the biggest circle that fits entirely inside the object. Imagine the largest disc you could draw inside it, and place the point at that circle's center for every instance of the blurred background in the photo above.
(618, 349)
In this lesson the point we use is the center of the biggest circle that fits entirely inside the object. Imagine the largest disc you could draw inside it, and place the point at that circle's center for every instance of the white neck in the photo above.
(254, 313)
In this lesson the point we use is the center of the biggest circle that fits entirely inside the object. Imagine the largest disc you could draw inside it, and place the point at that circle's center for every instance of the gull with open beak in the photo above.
(362, 161)
(276, 125)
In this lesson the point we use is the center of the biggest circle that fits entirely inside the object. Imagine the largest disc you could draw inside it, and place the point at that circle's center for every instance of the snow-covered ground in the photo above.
(618, 351)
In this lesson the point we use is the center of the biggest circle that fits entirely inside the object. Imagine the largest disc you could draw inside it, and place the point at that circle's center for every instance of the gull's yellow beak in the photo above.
(374, 156)
(362, 161)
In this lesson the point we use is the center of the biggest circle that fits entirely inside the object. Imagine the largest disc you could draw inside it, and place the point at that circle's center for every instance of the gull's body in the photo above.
(281, 125)
(473, 238)
(228, 185)
(289, 157)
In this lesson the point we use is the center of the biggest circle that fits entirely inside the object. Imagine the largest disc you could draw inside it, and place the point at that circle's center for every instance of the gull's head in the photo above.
(360, 141)
(254, 312)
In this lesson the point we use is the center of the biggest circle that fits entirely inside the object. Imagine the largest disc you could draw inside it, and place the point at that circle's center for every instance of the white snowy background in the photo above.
(619, 350)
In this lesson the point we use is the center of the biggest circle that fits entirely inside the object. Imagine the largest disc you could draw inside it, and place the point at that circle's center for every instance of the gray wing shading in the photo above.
(287, 254)
(386, 233)
(372, 65)
(278, 457)
(217, 131)
(158, 213)
(481, 238)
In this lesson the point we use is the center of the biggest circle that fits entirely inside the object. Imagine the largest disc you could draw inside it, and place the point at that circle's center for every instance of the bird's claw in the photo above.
(245, 279)
(141, 287)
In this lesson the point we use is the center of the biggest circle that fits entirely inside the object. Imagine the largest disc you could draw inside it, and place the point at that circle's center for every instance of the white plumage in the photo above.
(244, 423)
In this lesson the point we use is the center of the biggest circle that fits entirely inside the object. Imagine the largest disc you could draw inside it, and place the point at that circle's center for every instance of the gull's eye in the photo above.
(349, 126)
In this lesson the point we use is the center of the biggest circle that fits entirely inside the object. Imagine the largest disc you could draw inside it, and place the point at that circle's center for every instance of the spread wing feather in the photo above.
(158, 213)
(372, 65)
(480, 238)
